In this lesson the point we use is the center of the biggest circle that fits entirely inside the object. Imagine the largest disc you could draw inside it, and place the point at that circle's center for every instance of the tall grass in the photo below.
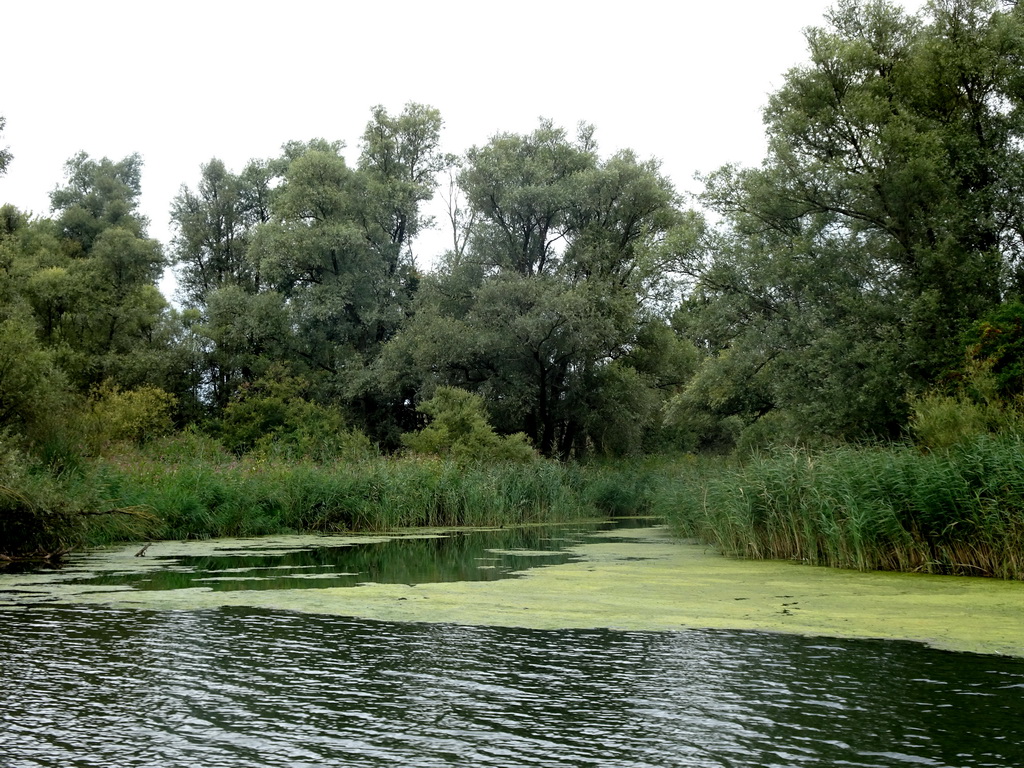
(887, 508)
(187, 486)
(210, 493)
(958, 511)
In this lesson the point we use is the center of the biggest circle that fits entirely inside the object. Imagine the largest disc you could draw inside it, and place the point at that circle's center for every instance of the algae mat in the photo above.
(635, 580)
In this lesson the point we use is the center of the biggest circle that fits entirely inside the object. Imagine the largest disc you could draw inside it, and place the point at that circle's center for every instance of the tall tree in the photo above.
(98, 195)
(306, 260)
(400, 159)
(885, 218)
(337, 246)
(522, 187)
(32, 386)
(316, 253)
(239, 328)
(91, 276)
(565, 265)
(213, 227)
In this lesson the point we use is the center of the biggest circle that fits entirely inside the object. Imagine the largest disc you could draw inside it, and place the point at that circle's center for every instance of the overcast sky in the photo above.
(183, 82)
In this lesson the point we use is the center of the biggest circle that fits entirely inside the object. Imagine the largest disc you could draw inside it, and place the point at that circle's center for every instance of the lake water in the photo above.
(238, 687)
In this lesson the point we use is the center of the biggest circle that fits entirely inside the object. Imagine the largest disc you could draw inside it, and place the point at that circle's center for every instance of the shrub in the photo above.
(459, 430)
(939, 421)
(272, 417)
(135, 416)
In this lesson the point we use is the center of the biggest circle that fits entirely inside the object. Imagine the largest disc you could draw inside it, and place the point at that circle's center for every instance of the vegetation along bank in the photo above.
(819, 358)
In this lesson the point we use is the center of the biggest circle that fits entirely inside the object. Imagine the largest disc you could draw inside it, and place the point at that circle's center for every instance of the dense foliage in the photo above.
(862, 284)
(884, 221)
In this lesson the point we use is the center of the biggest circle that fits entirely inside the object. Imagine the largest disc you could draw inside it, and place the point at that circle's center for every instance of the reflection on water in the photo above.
(457, 556)
(233, 688)
(462, 557)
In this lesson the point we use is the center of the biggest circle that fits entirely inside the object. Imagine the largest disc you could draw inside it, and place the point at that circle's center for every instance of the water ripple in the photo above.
(231, 688)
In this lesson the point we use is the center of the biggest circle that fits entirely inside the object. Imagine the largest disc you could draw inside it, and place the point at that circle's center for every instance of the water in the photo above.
(295, 563)
(233, 688)
(463, 556)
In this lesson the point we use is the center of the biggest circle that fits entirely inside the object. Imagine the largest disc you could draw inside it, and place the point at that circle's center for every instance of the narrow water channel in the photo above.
(238, 687)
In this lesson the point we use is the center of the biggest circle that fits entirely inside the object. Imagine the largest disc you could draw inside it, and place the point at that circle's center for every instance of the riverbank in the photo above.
(190, 488)
(890, 508)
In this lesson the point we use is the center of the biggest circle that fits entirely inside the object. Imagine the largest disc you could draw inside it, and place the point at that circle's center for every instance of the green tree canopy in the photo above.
(214, 225)
(568, 259)
(884, 220)
(306, 260)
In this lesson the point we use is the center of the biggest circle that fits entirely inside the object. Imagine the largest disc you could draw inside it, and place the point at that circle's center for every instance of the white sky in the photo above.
(186, 81)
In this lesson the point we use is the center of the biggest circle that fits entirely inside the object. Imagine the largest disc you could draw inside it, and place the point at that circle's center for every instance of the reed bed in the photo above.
(871, 508)
(189, 487)
(959, 511)
(221, 495)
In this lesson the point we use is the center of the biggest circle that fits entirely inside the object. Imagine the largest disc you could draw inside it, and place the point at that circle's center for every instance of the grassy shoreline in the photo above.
(177, 491)
(890, 507)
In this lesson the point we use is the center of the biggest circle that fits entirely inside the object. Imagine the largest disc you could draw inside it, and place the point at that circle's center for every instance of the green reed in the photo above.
(889, 508)
(867, 507)
(217, 494)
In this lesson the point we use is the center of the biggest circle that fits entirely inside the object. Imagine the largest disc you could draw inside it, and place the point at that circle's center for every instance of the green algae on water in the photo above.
(635, 580)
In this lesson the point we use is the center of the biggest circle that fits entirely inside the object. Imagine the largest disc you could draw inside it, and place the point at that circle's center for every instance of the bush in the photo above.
(134, 416)
(459, 430)
(273, 418)
(940, 421)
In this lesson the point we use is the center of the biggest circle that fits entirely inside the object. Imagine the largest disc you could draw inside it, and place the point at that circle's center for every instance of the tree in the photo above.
(239, 328)
(214, 225)
(31, 385)
(337, 251)
(89, 276)
(97, 296)
(316, 253)
(242, 335)
(885, 218)
(305, 260)
(98, 195)
(337, 247)
(568, 259)
(400, 159)
(5, 153)
(521, 186)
